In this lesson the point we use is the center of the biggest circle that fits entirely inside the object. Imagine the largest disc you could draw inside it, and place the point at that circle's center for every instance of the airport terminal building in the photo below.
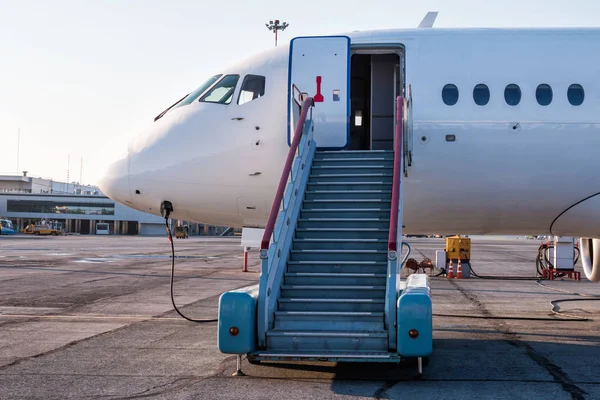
(25, 200)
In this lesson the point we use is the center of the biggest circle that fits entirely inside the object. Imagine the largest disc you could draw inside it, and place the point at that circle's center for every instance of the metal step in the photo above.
(375, 162)
(333, 291)
(329, 320)
(351, 267)
(337, 172)
(307, 304)
(339, 244)
(321, 343)
(344, 223)
(342, 233)
(321, 194)
(353, 155)
(325, 168)
(338, 255)
(333, 203)
(344, 213)
(333, 278)
(347, 186)
(361, 177)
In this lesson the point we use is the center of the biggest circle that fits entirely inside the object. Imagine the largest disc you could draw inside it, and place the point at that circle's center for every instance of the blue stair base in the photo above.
(332, 297)
(237, 310)
(415, 313)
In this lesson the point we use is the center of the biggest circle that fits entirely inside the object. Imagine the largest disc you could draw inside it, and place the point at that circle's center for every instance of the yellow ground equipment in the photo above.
(44, 228)
(181, 232)
(458, 247)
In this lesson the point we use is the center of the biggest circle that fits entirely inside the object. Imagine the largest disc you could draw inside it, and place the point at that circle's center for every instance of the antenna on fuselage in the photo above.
(429, 19)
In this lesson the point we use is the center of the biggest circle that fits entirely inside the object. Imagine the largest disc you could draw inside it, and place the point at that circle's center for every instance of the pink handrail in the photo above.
(266, 239)
(393, 235)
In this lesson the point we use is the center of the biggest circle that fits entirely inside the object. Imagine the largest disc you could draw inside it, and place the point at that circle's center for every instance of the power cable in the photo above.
(556, 307)
(166, 214)
(496, 277)
(554, 303)
(509, 317)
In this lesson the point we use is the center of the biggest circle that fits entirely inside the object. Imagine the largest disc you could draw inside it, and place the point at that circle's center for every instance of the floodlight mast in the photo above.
(275, 27)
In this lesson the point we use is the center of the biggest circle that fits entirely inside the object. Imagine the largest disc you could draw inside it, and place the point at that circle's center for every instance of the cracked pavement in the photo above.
(90, 317)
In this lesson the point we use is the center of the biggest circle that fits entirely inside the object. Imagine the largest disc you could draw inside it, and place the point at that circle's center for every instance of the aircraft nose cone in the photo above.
(115, 182)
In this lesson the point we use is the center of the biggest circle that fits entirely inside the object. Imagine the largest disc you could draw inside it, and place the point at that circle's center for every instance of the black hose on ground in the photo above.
(507, 278)
(170, 236)
(542, 255)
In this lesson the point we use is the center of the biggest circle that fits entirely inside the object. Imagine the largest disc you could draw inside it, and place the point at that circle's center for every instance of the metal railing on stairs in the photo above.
(407, 132)
(395, 231)
(282, 219)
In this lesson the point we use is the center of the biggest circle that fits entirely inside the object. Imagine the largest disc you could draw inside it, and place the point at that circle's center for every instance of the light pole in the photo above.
(274, 26)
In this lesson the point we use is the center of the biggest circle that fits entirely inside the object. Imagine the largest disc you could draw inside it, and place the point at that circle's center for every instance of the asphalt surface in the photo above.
(90, 317)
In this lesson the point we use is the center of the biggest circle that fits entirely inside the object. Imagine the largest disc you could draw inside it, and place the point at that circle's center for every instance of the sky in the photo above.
(80, 78)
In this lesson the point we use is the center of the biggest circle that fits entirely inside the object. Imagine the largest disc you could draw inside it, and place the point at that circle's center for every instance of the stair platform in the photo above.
(331, 356)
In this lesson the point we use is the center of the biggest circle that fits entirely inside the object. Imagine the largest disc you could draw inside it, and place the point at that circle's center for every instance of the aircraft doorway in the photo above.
(375, 83)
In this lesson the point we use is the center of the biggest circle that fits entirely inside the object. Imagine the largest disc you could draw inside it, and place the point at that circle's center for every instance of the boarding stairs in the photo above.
(330, 287)
(333, 292)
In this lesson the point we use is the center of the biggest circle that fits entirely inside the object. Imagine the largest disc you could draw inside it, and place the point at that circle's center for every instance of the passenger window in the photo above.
(481, 94)
(543, 94)
(253, 87)
(222, 92)
(575, 94)
(512, 94)
(450, 94)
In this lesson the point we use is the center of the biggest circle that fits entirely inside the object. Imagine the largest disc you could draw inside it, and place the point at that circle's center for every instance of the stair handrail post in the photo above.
(395, 230)
(271, 252)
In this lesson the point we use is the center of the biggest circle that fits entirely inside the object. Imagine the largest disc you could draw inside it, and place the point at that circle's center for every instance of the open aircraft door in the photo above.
(320, 67)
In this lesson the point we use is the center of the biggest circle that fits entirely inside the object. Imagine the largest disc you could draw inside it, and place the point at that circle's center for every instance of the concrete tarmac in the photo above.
(91, 317)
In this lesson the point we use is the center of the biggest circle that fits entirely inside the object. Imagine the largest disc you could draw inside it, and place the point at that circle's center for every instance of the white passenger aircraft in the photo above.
(503, 124)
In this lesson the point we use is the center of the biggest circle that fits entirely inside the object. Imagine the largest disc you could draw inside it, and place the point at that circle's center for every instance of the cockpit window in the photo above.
(222, 92)
(196, 93)
(253, 87)
(188, 98)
